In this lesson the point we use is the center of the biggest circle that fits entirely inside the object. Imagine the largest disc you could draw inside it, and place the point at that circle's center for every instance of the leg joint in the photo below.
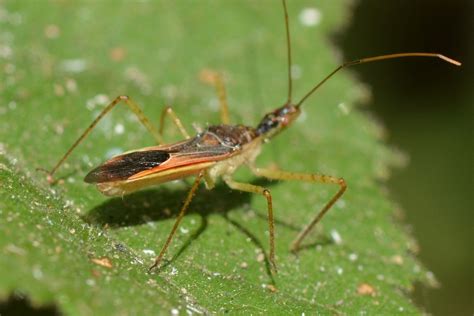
(342, 183)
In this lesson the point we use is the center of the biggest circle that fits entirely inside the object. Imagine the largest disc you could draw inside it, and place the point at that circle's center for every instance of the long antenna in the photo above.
(371, 59)
(288, 47)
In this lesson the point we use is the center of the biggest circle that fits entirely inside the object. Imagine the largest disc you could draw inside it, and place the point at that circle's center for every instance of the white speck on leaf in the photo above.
(100, 99)
(5, 51)
(149, 252)
(310, 17)
(296, 72)
(343, 108)
(90, 282)
(74, 65)
(119, 129)
(37, 273)
(353, 257)
(71, 85)
(341, 203)
(336, 237)
(14, 249)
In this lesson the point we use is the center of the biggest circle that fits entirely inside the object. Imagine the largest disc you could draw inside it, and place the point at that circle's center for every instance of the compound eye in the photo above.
(283, 112)
(273, 123)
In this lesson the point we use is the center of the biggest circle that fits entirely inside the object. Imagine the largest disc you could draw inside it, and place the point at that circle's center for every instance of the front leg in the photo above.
(316, 178)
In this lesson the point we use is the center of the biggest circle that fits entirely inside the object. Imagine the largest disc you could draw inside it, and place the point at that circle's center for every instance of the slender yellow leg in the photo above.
(283, 175)
(215, 78)
(181, 214)
(169, 111)
(246, 187)
(131, 105)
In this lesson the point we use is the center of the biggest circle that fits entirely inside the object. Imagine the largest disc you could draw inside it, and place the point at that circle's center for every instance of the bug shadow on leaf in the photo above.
(163, 203)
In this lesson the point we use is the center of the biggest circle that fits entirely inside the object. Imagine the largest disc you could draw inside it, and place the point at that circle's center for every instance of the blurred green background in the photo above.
(427, 109)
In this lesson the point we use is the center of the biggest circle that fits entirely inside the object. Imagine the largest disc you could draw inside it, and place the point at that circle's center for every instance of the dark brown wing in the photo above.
(206, 147)
(126, 165)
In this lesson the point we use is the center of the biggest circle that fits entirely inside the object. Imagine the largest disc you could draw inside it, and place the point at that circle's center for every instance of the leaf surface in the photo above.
(71, 246)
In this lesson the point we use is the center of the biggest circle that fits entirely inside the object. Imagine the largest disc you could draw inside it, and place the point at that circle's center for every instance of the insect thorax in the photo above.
(233, 136)
(244, 141)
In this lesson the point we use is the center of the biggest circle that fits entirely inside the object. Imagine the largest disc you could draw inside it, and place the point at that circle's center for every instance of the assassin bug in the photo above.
(215, 152)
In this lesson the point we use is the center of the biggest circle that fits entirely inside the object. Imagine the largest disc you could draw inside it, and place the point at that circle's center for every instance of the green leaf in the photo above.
(87, 253)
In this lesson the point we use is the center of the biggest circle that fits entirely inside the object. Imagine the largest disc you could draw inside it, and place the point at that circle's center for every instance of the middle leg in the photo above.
(247, 187)
(182, 212)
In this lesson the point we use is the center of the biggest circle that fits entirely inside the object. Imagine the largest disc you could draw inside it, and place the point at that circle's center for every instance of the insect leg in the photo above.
(131, 105)
(246, 187)
(181, 214)
(169, 111)
(215, 78)
(316, 178)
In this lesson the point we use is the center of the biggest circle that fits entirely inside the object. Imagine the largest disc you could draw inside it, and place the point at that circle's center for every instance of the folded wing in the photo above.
(124, 166)
(206, 147)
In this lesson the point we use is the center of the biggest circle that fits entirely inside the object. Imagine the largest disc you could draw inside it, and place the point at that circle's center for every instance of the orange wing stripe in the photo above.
(176, 162)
